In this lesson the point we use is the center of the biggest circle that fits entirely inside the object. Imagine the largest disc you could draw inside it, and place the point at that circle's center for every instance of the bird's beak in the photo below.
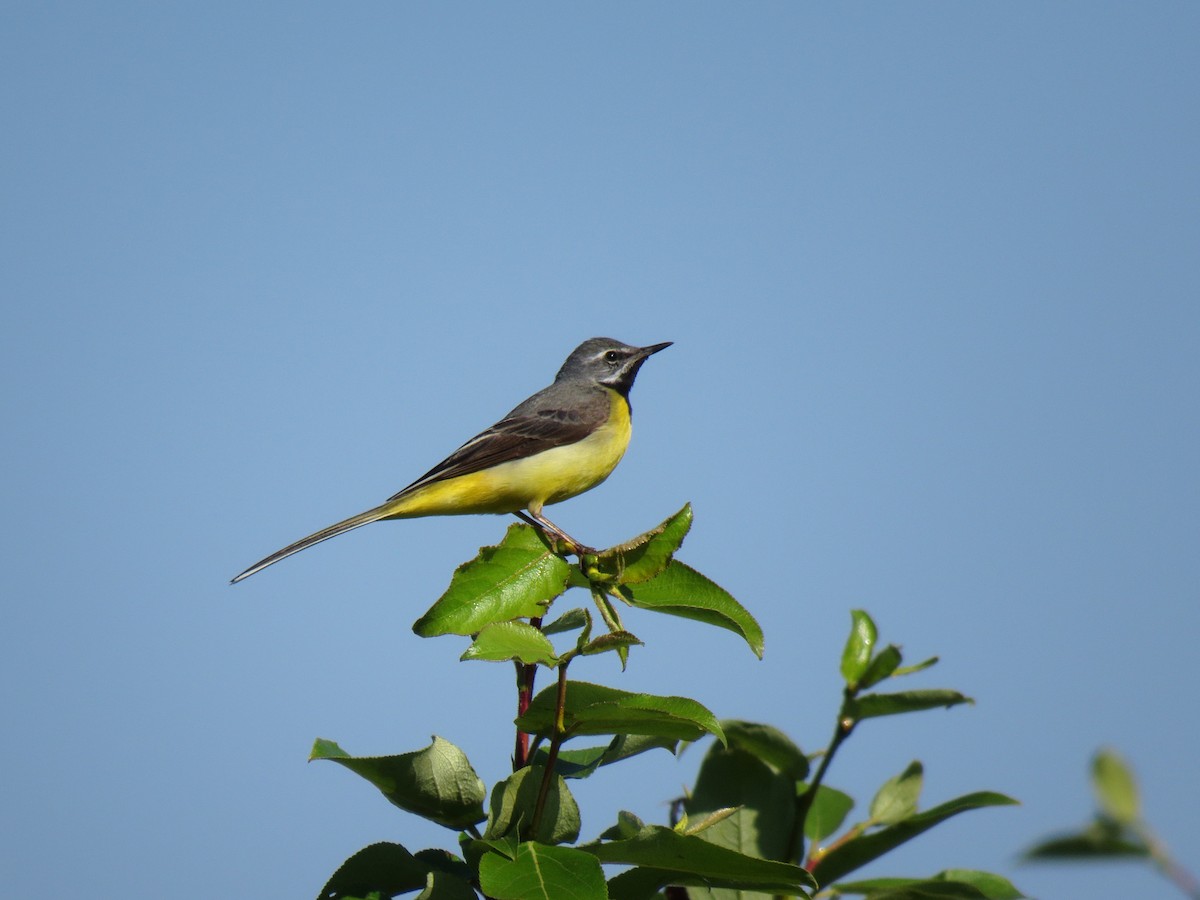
(643, 352)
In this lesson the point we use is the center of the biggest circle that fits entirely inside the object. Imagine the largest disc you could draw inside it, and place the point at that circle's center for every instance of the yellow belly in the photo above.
(544, 478)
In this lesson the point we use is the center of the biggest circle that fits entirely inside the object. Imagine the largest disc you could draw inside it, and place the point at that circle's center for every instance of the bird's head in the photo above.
(607, 362)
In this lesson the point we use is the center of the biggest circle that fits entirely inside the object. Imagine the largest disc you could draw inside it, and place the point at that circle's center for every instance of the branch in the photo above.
(556, 741)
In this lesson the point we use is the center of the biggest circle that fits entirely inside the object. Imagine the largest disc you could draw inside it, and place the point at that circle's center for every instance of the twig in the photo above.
(556, 740)
(1170, 869)
(804, 802)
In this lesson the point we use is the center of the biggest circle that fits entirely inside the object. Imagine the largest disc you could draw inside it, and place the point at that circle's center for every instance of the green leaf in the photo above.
(643, 557)
(386, 868)
(569, 621)
(449, 877)
(1115, 787)
(638, 884)
(919, 667)
(769, 744)
(628, 826)
(539, 872)
(1102, 838)
(436, 783)
(856, 655)
(582, 763)
(690, 860)
(883, 666)
(827, 813)
(440, 886)
(596, 709)
(614, 640)
(865, 848)
(624, 746)
(475, 849)
(516, 579)
(993, 886)
(513, 803)
(916, 889)
(608, 612)
(707, 821)
(870, 706)
(503, 641)
(951, 883)
(680, 590)
(572, 763)
(897, 799)
(765, 800)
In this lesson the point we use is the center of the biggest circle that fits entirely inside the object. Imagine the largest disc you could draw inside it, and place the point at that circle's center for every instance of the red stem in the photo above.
(525, 678)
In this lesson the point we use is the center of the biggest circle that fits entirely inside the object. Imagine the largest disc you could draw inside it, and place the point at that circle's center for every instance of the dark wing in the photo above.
(530, 428)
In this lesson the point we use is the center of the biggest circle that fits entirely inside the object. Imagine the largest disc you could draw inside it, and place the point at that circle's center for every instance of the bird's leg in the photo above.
(548, 528)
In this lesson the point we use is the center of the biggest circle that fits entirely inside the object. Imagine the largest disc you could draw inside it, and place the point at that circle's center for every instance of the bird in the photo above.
(564, 440)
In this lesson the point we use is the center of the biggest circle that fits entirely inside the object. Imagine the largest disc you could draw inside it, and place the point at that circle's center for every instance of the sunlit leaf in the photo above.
(856, 655)
(597, 709)
(682, 591)
(687, 826)
(503, 641)
(643, 557)
(515, 579)
(1115, 787)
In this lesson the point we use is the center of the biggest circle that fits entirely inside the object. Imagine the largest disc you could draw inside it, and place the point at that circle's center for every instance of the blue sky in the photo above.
(932, 272)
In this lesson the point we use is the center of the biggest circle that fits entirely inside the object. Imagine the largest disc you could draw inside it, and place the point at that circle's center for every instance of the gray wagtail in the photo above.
(562, 441)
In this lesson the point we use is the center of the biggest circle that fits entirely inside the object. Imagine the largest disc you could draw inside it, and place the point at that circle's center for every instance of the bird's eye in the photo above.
(612, 356)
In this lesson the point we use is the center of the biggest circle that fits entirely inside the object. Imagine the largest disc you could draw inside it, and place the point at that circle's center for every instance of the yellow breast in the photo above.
(544, 478)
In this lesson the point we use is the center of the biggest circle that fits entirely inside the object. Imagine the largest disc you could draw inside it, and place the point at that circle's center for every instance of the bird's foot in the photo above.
(558, 537)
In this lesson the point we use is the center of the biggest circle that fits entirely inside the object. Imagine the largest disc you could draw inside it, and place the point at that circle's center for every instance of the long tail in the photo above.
(364, 518)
